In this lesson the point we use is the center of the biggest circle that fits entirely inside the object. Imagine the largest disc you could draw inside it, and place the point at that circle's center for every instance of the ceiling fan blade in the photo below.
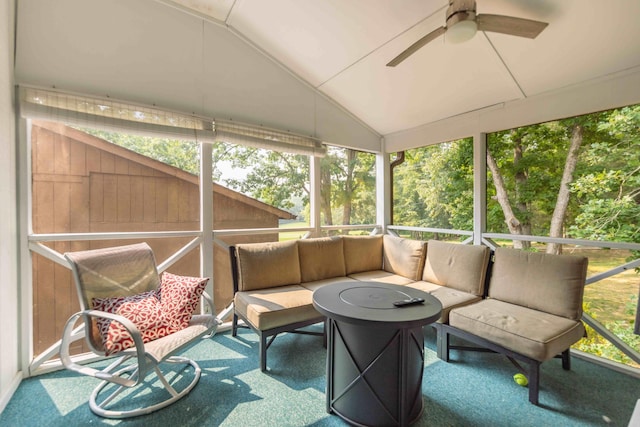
(510, 25)
(417, 45)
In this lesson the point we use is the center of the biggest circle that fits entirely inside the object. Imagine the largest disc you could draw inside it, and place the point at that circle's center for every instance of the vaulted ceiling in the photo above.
(341, 48)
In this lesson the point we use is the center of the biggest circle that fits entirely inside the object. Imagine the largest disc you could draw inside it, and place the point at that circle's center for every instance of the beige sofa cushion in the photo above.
(549, 283)
(275, 307)
(450, 298)
(321, 258)
(266, 265)
(457, 266)
(532, 333)
(317, 284)
(403, 256)
(382, 277)
(362, 253)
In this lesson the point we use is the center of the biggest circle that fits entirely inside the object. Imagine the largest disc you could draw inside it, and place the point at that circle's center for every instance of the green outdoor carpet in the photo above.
(475, 389)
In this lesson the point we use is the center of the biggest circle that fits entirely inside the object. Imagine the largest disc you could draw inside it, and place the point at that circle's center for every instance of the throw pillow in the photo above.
(180, 298)
(144, 310)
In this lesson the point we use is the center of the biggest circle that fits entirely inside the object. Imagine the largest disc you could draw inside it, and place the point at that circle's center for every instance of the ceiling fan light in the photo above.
(461, 31)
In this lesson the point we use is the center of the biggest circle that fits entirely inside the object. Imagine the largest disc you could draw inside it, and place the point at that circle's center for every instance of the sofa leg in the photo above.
(442, 342)
(566, 360)
(324, 332)
(534, 382)
(234, 325)
(263, 352)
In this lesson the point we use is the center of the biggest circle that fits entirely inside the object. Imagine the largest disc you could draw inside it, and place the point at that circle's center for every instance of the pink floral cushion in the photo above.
(180, 297)
(144, 310)
(156, 313)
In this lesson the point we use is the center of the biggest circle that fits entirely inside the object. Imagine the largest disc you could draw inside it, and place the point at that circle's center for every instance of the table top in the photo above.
(372, 302)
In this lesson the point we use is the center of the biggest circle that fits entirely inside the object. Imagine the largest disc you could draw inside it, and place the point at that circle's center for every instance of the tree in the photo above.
(562, 202)
(532, 183)
(608, 192)
(433, 187)
(184, 155)
(347, 185)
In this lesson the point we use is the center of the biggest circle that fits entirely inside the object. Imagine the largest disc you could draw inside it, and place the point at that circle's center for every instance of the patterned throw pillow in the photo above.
(156, 313)
(180, 297)
(144, 310)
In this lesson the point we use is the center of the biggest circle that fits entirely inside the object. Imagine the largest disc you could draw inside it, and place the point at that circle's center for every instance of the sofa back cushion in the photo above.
(544, 282)
(362, 253)
(404, 257)
(267, 265)
(321, 258)
(462, 267)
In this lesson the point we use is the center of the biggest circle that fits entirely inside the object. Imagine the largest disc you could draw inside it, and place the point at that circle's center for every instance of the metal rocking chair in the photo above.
(121, 272)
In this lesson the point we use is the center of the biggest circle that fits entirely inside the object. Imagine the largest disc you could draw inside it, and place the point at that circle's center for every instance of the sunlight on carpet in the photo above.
(474, 389)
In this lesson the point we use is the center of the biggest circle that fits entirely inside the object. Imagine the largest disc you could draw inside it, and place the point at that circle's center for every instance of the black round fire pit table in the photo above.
(375, 353)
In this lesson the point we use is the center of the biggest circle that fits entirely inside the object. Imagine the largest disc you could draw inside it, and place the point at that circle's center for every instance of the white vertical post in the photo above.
(206, 216)
(383, 188)
(479, 187)
(314, 197)
(25, 227)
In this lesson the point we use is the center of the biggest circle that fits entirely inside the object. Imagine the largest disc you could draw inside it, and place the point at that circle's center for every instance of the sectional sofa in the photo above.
(522, 304)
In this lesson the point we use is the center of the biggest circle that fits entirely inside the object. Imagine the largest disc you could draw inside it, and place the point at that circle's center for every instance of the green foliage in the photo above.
(270, 176)
(282, 180)
(434, 186)
(597, 345)
(608, 192)
(184, 155)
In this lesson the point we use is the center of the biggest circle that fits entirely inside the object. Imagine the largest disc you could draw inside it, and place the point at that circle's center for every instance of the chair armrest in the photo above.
(233, 256)
(68, 338)
(209, 302)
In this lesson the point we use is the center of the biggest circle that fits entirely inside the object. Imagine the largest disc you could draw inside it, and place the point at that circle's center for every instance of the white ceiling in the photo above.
(340, 47)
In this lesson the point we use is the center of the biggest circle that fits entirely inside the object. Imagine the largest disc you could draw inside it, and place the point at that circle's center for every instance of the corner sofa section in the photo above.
(527, 306)
(274, 282)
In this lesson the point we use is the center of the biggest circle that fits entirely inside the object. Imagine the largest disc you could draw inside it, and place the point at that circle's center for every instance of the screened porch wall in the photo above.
(83, 184)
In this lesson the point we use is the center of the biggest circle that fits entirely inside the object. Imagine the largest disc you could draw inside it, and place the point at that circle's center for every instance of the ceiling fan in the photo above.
(462, 24)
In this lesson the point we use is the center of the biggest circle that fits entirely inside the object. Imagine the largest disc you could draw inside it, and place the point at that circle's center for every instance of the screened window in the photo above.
(576, 178)
(433, 187)
(347, 194)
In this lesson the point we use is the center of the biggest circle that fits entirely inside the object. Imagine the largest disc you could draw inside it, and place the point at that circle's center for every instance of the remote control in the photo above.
(411, 301)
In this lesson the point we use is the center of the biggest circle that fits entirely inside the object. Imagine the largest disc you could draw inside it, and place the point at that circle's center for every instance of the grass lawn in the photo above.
(292, 235)
(611, 299)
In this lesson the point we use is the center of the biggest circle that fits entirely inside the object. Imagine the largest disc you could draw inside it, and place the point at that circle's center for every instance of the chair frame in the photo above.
(443, 346)
(132, 366)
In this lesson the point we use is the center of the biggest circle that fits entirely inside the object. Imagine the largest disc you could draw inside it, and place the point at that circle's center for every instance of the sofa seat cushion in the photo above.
(449, 298)
(317, 284)
(458, 266)
(529, 332)
(321, 258)
(271, 308)
(381, 276)
(404, 257)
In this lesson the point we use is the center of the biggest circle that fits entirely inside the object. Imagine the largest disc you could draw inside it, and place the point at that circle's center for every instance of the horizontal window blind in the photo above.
(271, 139)
(120, 116)
(110, 115)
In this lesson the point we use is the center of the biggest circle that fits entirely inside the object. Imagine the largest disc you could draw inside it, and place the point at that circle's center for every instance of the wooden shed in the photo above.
(84, 184)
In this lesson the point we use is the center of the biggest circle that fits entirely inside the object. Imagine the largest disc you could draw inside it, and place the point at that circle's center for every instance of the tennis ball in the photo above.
(521, 379)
